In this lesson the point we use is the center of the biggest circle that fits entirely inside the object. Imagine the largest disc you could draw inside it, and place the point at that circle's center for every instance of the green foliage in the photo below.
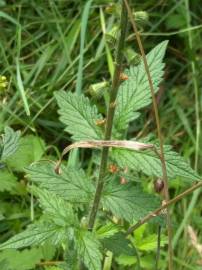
(21, 260)
(31, 148)
(107, 230)
(149, 163)
(9, 143)
(146, 242)
(7, 181)
(78, 116)
(36, 234)
(58, 210)
(27, 258)
(72, 184)
(88, 248)
(134, 93)
(118, 244)
(66, 198)
(127, 201)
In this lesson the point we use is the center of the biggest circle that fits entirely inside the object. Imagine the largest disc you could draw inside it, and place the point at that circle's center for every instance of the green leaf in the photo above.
(56, 208)
(31, 148)
(107, 230)
(149, 163)
(8, 181)
(149, 242)
(72, 184)
(127, 201)
(4, 265)
(21, 260)
(10, 143)
(79, 116)
(88, 248)
(126, 260)
(134, 93)
(35, 234)
(53, 268)
(118, 244)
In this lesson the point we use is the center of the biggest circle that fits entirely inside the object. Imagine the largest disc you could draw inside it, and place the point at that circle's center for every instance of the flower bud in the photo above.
(159, 185)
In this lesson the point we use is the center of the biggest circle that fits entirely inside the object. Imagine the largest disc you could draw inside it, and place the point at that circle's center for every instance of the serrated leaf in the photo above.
(107, 230)
(72, 184)
(10, 143)
(35, 234)
(88, 248)
(56, 208)
(149, 163)
(31, 149)
(118, 244)
(79, 116)
(7, 181)
(128, 201)
(134, 93)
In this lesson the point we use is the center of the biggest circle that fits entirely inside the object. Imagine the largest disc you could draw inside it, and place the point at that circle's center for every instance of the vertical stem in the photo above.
(158, 249)
(110, 116)
(163, 164)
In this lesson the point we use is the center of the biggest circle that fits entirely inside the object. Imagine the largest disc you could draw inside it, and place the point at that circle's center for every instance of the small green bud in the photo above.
(84, 222)
(111, 36)
(96, 90)
(132, 57)
(141, 17)
(114, 9)
(3, 83)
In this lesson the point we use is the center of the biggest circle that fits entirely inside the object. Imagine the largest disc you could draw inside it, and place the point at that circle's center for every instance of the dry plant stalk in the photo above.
(155, 106)
(194, 240)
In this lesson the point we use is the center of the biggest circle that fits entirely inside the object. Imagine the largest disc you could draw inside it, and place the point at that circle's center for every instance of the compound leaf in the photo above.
(134, 93)
(55, 207)
(128, 201)
(149, 163)
(78, 116)
(88, 248)
(35, 234)
(31, 149)
(72, 184)
(118, 244)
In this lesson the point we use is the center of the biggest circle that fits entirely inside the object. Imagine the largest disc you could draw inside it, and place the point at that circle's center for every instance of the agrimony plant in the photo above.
(87, 219)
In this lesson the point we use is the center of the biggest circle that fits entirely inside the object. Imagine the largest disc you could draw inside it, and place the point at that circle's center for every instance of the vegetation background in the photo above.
(45, 46)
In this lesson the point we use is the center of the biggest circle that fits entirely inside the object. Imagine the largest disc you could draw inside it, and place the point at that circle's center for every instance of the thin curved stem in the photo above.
(163, 164)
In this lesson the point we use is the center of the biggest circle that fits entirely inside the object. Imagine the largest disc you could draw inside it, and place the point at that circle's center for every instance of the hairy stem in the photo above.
(158, 211)
(110, 116)
(163, 164)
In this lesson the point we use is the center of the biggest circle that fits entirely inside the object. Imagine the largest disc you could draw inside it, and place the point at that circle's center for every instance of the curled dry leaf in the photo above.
(133, 145)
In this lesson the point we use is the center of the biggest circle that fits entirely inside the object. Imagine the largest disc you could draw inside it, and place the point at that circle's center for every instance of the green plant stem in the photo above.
(162, 158)
(158, 249)
(198, 127)
(164, 206)
(110, 116)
